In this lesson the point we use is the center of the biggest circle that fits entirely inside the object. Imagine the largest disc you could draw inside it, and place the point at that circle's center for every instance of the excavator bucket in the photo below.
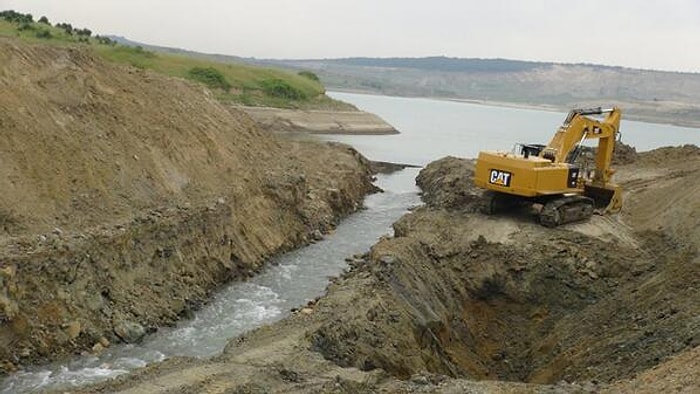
(607, 199)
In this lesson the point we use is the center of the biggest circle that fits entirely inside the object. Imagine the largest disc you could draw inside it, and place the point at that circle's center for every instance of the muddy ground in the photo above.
(461, 302)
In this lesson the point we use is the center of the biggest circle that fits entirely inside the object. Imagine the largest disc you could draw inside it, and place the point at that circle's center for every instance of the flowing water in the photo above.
(291, 280)
(430, 129)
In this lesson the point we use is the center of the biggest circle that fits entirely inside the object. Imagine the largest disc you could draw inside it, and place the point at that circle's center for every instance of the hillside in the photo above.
(655, 96)
(129, 196)
(646, 95)
(231, 81)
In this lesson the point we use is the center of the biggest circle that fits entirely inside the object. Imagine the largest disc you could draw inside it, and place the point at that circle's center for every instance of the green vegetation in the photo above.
(210, 77)
(43, 33)
(282, 89)
(16, 17)
(310, 75)
(231, 82)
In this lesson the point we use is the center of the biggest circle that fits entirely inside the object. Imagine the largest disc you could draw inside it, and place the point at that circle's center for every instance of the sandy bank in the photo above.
(318, 122)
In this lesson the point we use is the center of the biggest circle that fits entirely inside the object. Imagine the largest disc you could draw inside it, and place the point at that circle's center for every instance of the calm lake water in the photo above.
(431, 129)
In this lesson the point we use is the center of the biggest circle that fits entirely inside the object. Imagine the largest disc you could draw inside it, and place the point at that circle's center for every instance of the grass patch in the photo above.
(310, 75)
(282, 89)
(209, 76)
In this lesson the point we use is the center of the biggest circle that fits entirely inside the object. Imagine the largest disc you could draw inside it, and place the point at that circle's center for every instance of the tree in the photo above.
(83, 32)
(44, 20)
(67, 27)
(105, 40)
(16, 17)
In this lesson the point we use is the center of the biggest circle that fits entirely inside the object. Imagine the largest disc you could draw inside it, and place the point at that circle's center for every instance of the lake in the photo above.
(431, 129)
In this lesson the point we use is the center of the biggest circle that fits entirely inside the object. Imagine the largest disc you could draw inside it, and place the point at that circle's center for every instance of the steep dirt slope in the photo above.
(128, 196)
(86, 141)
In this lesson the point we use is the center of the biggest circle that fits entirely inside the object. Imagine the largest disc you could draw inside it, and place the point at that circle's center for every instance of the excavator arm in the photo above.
(578, 127)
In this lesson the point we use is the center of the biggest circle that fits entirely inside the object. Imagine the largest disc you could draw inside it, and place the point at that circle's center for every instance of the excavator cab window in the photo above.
(531, 149)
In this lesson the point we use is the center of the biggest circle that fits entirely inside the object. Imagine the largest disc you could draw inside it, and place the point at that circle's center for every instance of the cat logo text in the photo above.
(500, 178)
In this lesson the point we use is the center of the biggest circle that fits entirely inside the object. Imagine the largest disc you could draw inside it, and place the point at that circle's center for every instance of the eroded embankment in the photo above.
(128, 197)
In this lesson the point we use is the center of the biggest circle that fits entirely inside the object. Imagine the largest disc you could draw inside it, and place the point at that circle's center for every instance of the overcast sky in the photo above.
(655, 34)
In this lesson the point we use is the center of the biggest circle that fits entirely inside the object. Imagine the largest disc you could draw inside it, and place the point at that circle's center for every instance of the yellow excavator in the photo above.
(556, 176)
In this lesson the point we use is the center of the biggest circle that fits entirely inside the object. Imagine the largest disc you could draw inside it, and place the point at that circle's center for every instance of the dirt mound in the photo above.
(624, 154)
(87, 141)
(447, 183)
(128, 196)
(662, 157)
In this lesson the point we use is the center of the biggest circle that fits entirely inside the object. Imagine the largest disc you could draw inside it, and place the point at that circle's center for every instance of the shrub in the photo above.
(67, 27)
(282, 89)
(44, 20)
(209, 76)
(309, 75)
(43, 34)
(105, 40)
(25, 26)
(83, 32)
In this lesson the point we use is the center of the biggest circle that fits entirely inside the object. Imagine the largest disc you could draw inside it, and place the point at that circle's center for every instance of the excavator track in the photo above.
(493, 202)
(567, 209)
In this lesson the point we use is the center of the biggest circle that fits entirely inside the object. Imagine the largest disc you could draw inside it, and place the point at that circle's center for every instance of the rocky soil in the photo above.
(128, 197)
(461, 302)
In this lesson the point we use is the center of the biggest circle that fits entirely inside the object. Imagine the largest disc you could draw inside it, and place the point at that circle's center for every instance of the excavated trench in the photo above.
(464, 295)
(492, 311)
